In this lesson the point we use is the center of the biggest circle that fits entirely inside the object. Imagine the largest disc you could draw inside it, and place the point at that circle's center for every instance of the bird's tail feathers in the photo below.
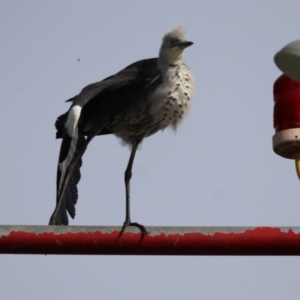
(68, 171)
(68, 176)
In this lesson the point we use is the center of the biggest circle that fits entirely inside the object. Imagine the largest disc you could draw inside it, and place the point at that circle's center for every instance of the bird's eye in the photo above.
(173, 42)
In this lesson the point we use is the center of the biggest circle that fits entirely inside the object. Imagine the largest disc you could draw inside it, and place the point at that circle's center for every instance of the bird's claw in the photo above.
(135, 224)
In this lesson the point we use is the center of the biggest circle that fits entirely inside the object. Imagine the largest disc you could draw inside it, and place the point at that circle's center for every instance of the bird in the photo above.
(145, 97)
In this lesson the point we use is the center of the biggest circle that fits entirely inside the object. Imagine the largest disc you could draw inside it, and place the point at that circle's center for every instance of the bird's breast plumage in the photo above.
(166, 105)
(171, 101)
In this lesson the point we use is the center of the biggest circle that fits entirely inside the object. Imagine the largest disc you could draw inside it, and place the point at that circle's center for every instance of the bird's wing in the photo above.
(141, 74)
(71, 126)
(133, 76)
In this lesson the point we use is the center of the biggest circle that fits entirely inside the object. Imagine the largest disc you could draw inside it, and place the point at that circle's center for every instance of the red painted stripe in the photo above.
(159, 241)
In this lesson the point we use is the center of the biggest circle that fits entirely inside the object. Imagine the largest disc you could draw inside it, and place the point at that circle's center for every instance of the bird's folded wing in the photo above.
(107, 94)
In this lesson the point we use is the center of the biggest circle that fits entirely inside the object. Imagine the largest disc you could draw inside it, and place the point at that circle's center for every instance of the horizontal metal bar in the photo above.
(159, 240)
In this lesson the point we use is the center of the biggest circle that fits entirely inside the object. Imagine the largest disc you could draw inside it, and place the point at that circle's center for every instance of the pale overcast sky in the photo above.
(219, 168)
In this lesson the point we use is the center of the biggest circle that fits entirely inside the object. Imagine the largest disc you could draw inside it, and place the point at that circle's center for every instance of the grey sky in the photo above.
(217, 170)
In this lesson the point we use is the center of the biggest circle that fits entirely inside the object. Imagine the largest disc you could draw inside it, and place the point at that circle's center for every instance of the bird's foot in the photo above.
(139, 226)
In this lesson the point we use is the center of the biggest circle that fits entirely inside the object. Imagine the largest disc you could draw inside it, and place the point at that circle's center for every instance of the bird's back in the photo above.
(120, 98)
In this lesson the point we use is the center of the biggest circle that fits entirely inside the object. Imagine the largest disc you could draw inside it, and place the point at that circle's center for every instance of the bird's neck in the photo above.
(166, 59)
(164, 65)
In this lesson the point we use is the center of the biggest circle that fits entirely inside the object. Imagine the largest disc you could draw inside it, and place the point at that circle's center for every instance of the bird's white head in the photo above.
(173, 44)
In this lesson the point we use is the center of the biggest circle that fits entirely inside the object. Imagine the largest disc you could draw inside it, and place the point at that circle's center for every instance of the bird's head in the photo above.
(173, 44)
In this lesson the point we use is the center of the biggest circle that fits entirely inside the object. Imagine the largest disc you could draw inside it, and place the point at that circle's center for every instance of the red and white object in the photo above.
(286, 141)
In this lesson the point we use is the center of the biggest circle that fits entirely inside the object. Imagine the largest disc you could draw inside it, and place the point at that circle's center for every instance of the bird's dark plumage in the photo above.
(107, 99)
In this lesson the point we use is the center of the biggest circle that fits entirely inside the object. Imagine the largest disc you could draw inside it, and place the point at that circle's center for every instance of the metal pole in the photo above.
(159, 240)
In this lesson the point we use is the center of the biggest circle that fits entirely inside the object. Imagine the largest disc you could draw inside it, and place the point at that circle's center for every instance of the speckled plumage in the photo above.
(165, 106)
(172, 100)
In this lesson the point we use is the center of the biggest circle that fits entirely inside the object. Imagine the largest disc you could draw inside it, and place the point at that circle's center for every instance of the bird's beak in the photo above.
(184, 44)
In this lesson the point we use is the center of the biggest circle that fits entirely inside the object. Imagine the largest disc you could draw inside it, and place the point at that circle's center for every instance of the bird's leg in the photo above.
(128, 174)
